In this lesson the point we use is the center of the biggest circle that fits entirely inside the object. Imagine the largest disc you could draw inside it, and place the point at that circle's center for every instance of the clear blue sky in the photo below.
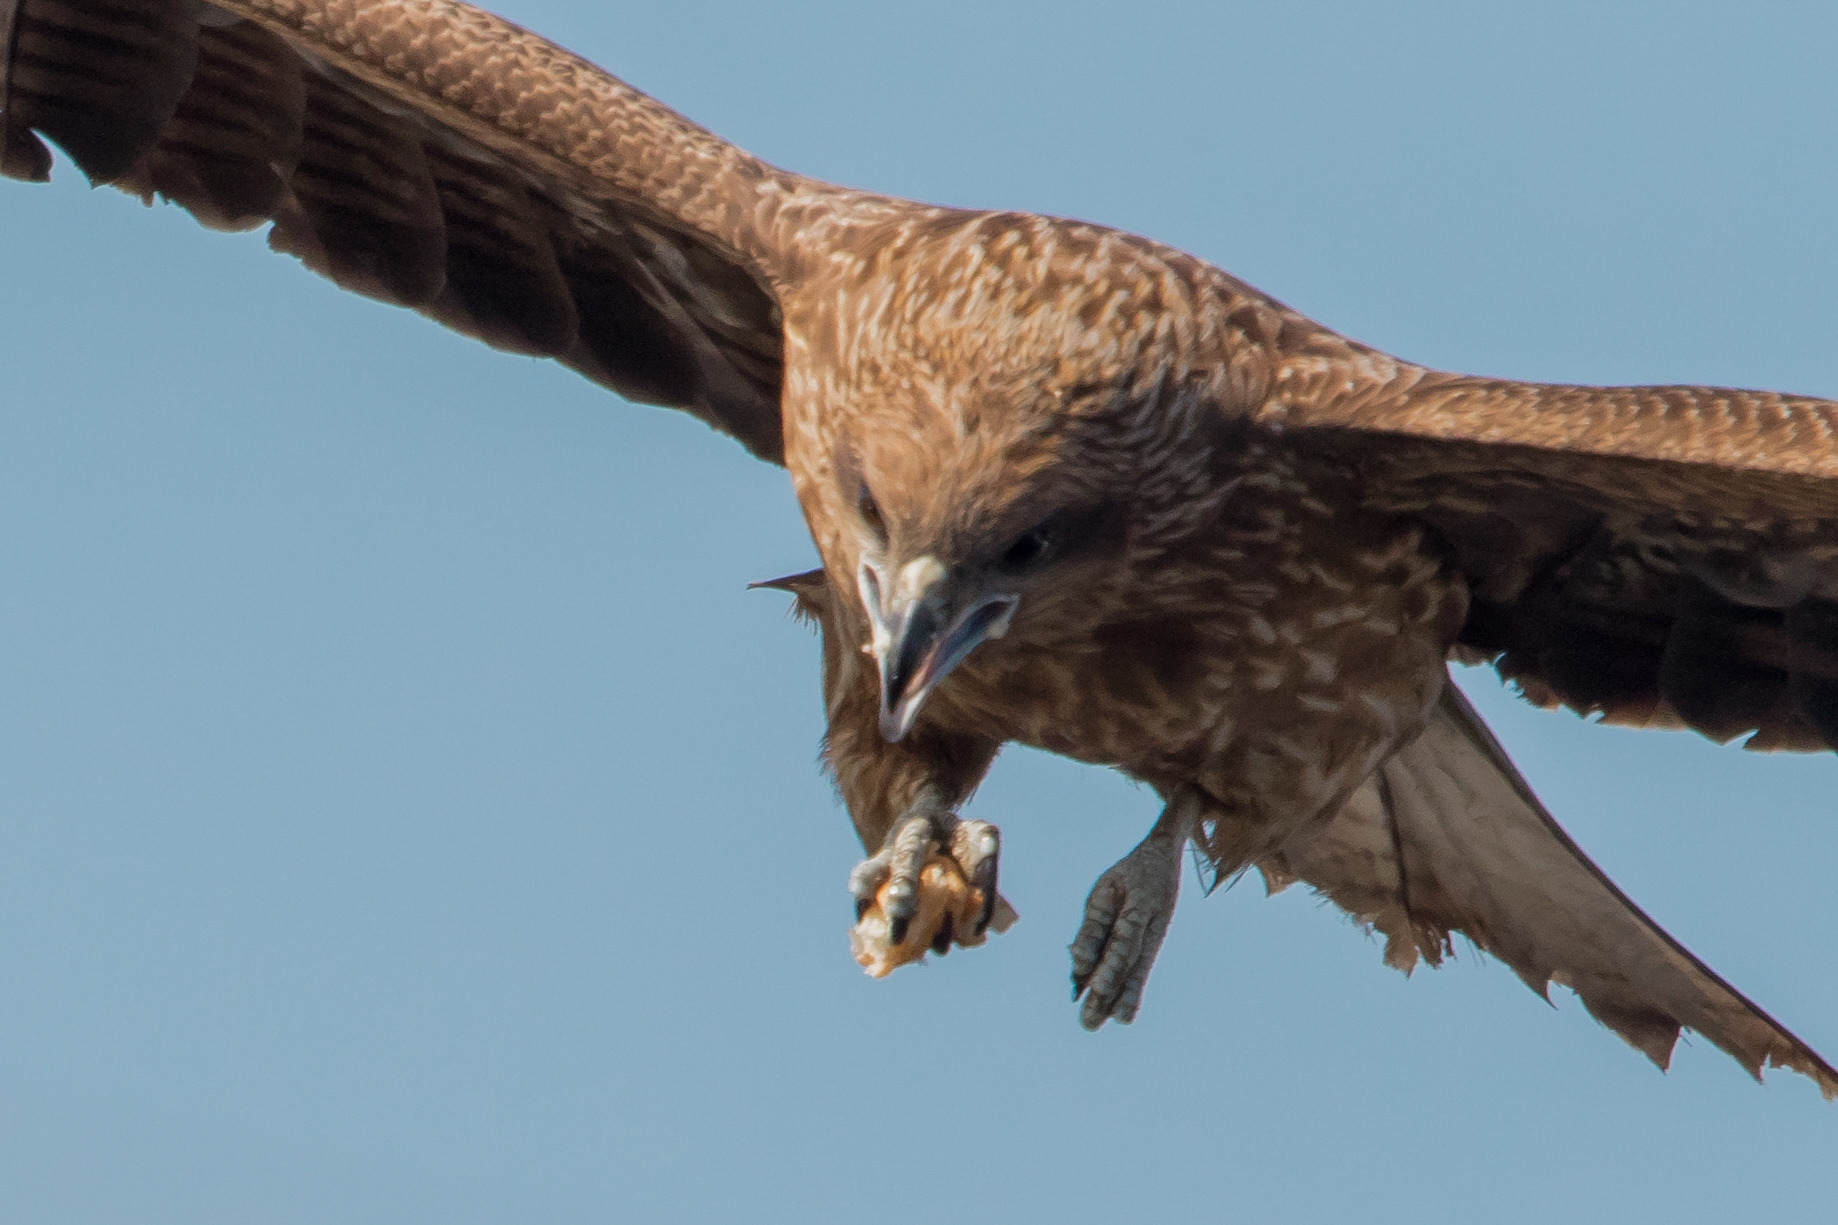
(406, 814)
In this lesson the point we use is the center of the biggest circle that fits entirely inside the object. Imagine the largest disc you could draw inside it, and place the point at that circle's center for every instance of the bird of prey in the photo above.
(1069, 487)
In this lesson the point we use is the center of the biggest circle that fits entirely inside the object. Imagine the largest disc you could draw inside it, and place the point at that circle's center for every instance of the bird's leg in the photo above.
(902, 797)
(1126, 917)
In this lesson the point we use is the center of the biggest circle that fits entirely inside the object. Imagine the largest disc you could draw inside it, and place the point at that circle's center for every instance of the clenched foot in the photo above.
(1126, 917)
(932, 885)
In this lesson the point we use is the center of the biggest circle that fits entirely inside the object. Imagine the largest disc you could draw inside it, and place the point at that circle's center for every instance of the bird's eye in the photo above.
(1027, 549)
(870, 512)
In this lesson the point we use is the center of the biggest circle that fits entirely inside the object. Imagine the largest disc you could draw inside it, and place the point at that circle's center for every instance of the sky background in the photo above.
(406, 814)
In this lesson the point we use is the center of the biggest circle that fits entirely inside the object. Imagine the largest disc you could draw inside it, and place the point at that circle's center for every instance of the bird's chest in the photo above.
(1273, 660)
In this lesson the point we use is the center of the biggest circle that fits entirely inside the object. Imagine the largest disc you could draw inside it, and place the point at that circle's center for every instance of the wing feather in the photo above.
(1661, 556)
(431, 155)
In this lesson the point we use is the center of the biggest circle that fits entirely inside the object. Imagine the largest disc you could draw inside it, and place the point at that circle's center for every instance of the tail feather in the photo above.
(1446, 838)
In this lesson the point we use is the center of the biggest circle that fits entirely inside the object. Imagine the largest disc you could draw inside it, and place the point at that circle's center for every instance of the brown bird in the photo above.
(1070, 487)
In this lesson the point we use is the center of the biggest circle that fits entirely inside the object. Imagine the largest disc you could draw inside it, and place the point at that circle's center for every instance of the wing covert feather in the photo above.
(1324, 381)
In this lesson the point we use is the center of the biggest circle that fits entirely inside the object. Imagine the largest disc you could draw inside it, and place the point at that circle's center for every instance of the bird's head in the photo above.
(953, 530)
(987, 454)
(931, 598)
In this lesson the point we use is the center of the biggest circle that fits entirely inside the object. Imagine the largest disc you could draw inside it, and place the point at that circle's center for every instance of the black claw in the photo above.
(941, 943)
(897, 929)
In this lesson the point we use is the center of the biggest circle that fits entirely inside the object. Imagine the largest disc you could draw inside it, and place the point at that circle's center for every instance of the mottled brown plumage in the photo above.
(1070, 487)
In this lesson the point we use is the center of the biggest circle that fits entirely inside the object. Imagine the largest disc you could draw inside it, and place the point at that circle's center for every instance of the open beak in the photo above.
(918, 636)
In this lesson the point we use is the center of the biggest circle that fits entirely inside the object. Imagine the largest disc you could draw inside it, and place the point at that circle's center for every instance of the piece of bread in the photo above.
(950, 907)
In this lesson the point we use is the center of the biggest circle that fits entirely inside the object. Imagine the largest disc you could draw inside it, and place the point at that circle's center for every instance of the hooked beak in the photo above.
(917, 637)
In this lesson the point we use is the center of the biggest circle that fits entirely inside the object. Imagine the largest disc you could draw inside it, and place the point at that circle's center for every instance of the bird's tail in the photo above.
(1446, 837)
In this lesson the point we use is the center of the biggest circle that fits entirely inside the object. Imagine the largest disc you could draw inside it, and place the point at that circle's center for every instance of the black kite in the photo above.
(1070, 487)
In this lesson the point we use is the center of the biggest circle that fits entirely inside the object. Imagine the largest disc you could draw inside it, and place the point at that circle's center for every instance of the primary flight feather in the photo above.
(1070, 487)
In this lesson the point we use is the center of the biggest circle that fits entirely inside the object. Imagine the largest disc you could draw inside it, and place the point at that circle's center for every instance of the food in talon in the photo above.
(945, 897)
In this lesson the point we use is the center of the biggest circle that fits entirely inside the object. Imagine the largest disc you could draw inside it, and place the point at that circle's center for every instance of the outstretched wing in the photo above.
(1446, 837)
(1658, 555)
(431, 155)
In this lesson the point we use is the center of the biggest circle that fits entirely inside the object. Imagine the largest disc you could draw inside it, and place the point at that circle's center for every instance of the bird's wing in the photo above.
(429, 154)
(1446, 837)
(1657, 555)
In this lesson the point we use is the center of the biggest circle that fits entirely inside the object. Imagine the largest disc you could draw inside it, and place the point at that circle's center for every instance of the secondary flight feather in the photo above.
(1070, 487)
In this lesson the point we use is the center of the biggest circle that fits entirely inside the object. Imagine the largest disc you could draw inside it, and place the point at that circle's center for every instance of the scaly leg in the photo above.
(1126, 917)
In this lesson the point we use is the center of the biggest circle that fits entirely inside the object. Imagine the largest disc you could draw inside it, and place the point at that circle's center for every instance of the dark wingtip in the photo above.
(811, 589)
(808, 582)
